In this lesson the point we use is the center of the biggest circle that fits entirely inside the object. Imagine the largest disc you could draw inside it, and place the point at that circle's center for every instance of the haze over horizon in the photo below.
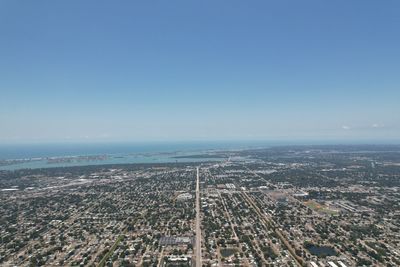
(101, 71)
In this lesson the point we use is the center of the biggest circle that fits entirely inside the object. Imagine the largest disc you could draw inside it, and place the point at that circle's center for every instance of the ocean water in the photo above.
(40, 155)
(25, 151)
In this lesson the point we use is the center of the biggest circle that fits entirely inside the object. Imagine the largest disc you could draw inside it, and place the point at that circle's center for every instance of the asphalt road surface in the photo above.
(198, 230)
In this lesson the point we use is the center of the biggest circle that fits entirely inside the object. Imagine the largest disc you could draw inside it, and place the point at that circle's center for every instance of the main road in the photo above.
(198, 230)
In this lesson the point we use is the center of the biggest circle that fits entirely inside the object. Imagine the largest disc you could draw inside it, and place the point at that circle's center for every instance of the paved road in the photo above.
(198, 230)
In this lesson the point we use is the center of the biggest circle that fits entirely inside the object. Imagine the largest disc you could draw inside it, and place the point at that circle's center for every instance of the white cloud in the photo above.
(345, 127)
(104, 135)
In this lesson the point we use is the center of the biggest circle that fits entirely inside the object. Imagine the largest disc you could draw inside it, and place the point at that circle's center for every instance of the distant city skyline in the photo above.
(105, 71)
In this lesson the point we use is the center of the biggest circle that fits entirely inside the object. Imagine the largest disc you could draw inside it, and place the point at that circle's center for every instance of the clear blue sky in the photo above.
(199, 70)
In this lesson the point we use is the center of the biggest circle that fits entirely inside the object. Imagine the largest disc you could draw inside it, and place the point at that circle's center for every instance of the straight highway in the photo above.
(198, 230)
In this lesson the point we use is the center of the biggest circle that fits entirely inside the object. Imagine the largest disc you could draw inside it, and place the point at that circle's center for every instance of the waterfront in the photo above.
(34, 156)
(70, 161)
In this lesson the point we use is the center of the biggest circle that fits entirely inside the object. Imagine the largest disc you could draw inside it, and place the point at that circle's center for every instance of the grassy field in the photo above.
(319, 207)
